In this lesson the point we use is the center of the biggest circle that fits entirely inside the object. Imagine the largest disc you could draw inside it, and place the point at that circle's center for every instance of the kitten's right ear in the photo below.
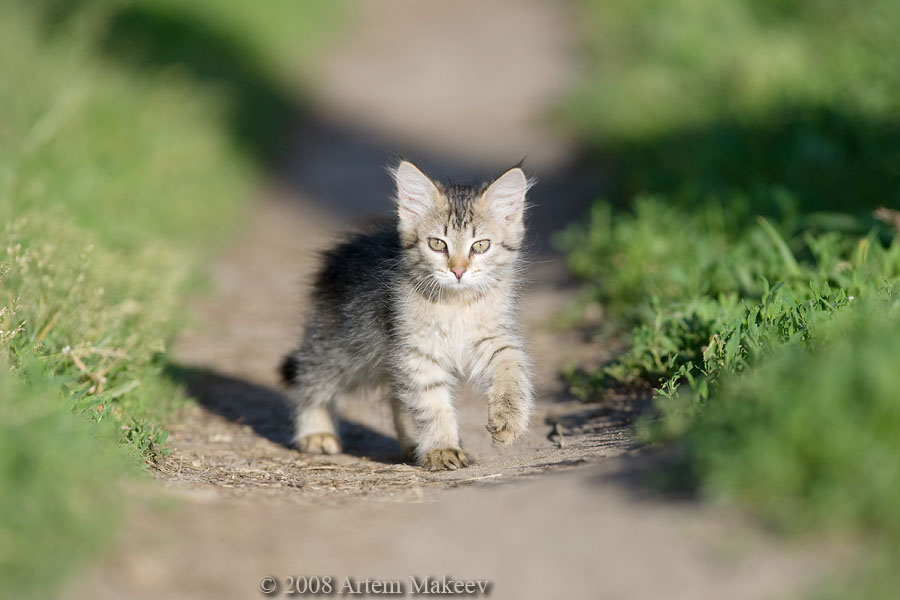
(416, 193)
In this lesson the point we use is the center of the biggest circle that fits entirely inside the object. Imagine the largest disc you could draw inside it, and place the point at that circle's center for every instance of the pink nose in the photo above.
(458, 271)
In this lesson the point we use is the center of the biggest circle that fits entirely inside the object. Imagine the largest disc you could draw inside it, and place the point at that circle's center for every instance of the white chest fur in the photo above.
(449, 330)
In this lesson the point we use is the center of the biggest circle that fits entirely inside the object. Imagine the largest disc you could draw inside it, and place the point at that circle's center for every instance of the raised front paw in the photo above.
(506, 423)
(319, 443)
(446, 459)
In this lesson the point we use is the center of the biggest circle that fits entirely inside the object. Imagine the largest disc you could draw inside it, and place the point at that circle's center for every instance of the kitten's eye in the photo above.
(437, 245)
(481, 246)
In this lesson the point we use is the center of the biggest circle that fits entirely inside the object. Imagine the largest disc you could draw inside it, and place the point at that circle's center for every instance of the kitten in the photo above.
(417, 306)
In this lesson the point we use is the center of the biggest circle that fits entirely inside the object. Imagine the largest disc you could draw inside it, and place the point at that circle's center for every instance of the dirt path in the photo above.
(462, 88)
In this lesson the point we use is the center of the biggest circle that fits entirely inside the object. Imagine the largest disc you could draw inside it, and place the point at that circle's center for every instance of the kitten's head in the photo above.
(460, 237)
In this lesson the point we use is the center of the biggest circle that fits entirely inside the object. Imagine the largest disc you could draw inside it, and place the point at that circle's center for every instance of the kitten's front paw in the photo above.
(505, 423)
(446, 459)
(319, 443)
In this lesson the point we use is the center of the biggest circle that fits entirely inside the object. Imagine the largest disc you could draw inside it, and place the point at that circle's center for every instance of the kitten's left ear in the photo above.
(505, 198)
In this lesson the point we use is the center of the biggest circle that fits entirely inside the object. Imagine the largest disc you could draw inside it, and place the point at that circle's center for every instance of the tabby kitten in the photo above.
(416, 306)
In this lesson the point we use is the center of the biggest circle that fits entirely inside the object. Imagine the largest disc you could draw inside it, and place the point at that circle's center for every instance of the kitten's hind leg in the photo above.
(316, 431)
(405, 428)
(312, 392)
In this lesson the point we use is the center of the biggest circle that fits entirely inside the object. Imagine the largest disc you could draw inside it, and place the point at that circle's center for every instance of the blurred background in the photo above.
(713, 288)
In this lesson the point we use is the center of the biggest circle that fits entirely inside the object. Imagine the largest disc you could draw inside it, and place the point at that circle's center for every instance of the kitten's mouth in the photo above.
(454, 284)
(461, 285)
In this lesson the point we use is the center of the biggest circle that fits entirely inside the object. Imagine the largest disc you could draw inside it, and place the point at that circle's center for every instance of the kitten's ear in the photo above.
(416, 193)
(505, 198)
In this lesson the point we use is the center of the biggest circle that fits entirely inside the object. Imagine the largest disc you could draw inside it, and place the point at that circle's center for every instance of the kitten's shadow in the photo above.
(269, 414)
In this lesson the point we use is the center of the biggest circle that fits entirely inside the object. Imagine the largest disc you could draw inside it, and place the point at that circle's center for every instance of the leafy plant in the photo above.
(749, 243)
(117, 181)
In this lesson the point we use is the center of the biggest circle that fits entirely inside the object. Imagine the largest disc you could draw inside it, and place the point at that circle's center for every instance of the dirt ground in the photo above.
(461, 88)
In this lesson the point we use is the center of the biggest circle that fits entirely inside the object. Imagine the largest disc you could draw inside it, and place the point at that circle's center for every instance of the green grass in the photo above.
(749, 145)
(699, 99)
(657, 67)
(133, 134)
(806, 434)
(59, 500)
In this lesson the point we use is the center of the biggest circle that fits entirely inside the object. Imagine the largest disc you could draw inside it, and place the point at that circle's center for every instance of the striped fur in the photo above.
(390, 310)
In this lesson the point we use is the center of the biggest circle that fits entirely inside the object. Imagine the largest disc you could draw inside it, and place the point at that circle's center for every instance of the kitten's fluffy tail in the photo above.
(288, 369)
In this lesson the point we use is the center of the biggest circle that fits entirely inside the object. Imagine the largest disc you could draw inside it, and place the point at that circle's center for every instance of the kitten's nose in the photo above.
(458, 271)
